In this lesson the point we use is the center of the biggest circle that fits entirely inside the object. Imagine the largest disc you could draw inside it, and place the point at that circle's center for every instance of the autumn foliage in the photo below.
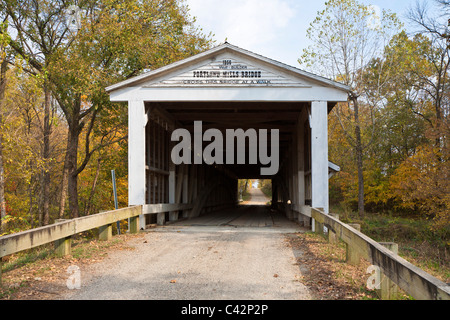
(402, 87)
(60, 136)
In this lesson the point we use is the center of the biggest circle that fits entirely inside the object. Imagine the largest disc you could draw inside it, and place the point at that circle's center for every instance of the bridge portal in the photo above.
(198, 125)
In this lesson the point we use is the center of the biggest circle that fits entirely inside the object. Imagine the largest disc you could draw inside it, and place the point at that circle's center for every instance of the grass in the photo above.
(246, 196)
(418, 242)
(267, 190)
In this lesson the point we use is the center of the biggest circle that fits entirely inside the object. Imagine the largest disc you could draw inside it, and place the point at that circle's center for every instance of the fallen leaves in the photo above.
(45, 278)
(324, 271)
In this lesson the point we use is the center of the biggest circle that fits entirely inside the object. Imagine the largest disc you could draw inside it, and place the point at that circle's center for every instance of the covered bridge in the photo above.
(222, 89)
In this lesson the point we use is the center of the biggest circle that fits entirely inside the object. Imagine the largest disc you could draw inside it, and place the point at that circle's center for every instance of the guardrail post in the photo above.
(63, 247)
(306, 221)
(318, 227)
(352, 255)
(356, 226)
(332, 238)
(134, 224)
(161, 218)
(105, 232)
(388, 289)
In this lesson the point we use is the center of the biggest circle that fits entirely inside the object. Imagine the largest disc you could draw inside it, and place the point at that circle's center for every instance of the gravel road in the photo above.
(257, 197)
(208, 261)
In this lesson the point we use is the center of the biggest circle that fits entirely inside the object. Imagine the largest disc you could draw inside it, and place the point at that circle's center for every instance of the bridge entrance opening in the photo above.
(216, 187)
(198, 126)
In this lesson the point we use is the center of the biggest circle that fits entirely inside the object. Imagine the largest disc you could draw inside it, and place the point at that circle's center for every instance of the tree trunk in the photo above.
(2, 180)
(3, 67)
(89, 204)
(30, 201)
(75, 128)
(359, 158)
(64, 182)
(46, 157)
(72, 175)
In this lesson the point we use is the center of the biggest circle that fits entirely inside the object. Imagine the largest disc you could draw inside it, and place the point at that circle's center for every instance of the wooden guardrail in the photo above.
(414, 281)
(24, 240)
(61, 232)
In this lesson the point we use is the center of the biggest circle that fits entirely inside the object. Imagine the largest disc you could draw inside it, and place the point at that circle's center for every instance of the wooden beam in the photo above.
(242, 117)
(137, 121)
(319, 155)
(172, 107)
(161, 112)
(179, 183)
(165, 207)
(156, 170)
(222, 126)
(36, 237)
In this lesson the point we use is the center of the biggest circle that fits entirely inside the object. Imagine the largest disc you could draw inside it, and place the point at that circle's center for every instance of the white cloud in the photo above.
(245, 23)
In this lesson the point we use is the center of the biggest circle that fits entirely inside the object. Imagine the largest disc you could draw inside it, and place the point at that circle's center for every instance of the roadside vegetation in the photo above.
(244, 186)
(266, 187)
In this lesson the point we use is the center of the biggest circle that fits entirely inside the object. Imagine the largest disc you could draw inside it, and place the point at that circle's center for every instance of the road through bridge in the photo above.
(237, 253)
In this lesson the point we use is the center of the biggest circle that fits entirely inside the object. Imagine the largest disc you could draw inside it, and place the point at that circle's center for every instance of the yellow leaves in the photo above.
(421, 182)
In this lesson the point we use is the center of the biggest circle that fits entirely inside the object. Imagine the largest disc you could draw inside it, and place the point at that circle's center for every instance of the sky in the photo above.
(273, 28)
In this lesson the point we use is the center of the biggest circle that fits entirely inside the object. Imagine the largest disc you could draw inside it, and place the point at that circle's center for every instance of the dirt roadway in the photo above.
(257, 197)
(240, 254)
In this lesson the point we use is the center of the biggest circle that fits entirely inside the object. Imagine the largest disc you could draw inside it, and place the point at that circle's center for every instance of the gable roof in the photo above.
(226, 47)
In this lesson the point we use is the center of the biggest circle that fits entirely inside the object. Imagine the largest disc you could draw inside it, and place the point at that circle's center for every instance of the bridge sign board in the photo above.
(229, 71)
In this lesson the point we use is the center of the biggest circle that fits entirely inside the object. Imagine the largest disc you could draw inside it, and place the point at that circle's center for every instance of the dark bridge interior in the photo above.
(214, 187)
(238, 115)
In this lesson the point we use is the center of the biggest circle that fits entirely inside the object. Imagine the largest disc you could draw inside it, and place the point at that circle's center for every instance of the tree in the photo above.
(346, 37)
(435, 84)
(404, 113)
(115, 41)
(3, 69)
(4, 63)
(421, 182)
(38, 34)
